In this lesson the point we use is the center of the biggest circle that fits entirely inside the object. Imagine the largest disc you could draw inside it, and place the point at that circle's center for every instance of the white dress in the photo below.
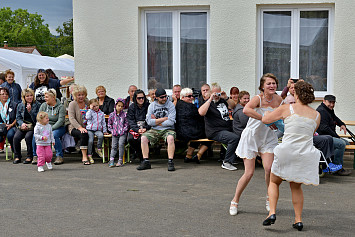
(296, 159)
(257, 137)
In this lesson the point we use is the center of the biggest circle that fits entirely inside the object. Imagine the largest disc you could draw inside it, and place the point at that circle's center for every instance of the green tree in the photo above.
(21, 28)
(65, 39)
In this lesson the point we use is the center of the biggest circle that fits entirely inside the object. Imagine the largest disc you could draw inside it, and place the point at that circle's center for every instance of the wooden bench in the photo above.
(348, 136)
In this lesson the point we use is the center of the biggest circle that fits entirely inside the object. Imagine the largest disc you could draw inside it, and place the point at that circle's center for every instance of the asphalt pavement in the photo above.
(78, 200)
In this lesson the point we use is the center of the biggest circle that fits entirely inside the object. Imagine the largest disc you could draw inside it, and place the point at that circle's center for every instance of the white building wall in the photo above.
(107, 39)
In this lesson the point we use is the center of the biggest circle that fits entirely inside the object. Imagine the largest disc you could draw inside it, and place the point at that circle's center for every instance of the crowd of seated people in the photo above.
(139, 119)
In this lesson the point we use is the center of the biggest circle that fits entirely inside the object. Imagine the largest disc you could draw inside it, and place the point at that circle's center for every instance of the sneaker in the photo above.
(91, 159)
(49, 165)
(119, 163)
(111, 163)
(99, 152)
(343, 172)
(187, 160)
(233, 209)
(40, 169)
(34, 161)
(2, 151)
(334, 168)
(58, 160)
(228, 166)
(171, 166)
(144, 165)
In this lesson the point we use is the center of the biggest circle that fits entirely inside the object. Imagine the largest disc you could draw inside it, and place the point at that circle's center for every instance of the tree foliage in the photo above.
(21, 28)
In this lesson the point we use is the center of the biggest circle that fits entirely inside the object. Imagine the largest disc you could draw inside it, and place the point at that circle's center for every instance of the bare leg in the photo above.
(190, 151)
(273, 192)
(249, 165)
(145, 147)
(201, 151)
(84, 152)
(267, 158)
(171, 146)
(297, 200)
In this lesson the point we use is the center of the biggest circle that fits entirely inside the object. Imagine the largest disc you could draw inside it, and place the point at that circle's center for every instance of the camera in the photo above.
(295, 80)
(218, 94)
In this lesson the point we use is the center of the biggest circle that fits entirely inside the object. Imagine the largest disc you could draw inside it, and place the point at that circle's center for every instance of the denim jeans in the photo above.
(232, 140)
(10, 137)
(339, 149)
(118, 141)
(100, 139)
(58, 134)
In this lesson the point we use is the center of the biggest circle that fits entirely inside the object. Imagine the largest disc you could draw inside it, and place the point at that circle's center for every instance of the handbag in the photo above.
(29, 126)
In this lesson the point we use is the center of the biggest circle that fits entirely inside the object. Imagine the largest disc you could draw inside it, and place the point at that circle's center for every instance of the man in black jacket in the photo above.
(327, 127)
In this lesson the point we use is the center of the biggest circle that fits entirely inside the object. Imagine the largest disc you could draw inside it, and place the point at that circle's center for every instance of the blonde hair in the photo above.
(185, 91)
(25, 92)
(215, 85)
(41, 115)
(79, 89)
(94, 100)
(51, 92)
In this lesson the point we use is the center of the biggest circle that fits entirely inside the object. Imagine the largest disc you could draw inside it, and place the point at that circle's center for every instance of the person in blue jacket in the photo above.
(12, 86)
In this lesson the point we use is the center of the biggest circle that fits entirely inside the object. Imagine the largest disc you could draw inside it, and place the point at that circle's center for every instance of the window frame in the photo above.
(295, 33)
(176, 42)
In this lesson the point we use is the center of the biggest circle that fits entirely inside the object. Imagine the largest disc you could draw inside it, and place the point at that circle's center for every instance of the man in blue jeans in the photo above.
(327, 127)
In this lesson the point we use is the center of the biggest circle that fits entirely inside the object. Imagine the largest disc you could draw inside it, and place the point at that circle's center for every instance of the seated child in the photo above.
(118, 126)
(44, 139)
(96, 125)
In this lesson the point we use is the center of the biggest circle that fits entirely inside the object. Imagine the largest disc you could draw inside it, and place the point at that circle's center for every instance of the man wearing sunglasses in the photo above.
(161, 117)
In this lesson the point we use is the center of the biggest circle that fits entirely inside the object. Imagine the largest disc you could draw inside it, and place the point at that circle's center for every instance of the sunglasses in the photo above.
(41, 70)
(162, 97)
(189, 96)
(140, 98)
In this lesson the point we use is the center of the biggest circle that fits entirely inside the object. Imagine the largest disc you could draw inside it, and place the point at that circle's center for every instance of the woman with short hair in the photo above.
(106, 104)
(26, 120)
(77, 110)
(13, 87)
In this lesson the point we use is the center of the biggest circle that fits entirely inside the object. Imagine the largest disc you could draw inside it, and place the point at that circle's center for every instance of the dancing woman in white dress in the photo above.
(296, 159)
(257, 138)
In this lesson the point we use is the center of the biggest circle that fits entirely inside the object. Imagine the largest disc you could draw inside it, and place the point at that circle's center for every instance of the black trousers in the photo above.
(19, 135)
(135, 144)
(84, 138)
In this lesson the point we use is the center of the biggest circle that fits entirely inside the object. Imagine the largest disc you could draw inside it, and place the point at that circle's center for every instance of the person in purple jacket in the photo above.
(118, 126)
(96, 125)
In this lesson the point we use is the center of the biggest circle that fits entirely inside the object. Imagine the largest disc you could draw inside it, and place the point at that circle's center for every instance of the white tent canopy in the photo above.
(25, 65)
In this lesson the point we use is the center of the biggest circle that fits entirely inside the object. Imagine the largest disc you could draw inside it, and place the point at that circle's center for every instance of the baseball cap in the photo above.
(159, 92)
(330, 98)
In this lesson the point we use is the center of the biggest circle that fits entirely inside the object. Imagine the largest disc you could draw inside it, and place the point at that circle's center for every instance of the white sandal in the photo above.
(233, 210)
(267, 204)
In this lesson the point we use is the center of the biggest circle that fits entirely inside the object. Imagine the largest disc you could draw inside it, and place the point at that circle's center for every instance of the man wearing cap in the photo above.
(161, 117)
(327, 127)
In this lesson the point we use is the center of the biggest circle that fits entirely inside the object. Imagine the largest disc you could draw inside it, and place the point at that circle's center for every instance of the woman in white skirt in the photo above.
(257, 138)
(296, 159)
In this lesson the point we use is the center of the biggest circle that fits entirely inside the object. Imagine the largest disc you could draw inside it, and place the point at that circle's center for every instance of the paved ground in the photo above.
(78, 200)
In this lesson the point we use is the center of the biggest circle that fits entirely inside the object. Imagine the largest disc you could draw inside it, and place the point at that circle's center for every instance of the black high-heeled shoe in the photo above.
(298, 226)
(270, 220)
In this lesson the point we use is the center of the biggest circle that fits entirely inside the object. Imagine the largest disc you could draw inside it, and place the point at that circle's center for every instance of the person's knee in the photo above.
(144, 140)
(170, 139)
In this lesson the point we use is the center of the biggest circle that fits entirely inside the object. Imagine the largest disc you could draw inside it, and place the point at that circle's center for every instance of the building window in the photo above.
(175, 48)
(297, 43)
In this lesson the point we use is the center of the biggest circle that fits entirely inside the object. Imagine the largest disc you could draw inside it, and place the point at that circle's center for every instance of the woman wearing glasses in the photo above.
(136, 119)
(189, 125)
